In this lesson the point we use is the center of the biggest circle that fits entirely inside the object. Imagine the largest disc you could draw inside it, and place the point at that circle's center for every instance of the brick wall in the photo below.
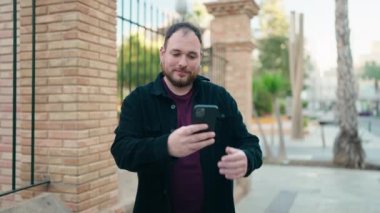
(75, 100)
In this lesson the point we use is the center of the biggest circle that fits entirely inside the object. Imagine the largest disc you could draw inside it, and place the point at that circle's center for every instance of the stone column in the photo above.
(231, 31)
(75, 100)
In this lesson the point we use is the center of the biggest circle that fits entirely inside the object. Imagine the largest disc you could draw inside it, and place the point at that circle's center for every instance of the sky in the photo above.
(319, 19)
(319, 27)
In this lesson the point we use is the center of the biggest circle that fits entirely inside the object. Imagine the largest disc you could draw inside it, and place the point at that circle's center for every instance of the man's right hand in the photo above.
(186, 140)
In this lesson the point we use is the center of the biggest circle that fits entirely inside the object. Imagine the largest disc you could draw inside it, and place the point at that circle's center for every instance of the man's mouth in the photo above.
(181, 72)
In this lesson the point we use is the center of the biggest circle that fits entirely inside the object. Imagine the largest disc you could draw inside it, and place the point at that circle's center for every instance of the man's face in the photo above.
(181, 58)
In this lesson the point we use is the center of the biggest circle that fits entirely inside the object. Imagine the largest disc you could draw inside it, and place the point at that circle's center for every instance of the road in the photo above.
(372, 124)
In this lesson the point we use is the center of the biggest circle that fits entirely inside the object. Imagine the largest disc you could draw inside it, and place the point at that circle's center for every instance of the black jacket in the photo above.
(147, 118)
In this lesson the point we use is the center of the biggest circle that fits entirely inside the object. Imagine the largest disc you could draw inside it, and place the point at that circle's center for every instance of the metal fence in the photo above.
(141, 29)
(14, 47)
(214, 64)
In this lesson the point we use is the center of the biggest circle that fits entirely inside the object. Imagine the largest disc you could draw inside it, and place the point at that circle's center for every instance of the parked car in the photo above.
(365, 113)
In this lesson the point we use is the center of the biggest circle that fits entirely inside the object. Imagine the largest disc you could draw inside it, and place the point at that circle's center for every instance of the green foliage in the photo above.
(305, 121)
(261, 98)
(282, 108)
(273, 55)
(138, 62)
(305, 104)
(266, 87)
(274, 83)
(199, 15)
(273, 21)
(273, 43)
(372, 70)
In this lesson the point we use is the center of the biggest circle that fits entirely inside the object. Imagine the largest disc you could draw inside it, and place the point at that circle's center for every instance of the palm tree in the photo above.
(348, 150)
(258, 88)
(275, 83)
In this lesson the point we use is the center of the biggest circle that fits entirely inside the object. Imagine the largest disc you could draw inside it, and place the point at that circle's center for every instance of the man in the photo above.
(181, 168)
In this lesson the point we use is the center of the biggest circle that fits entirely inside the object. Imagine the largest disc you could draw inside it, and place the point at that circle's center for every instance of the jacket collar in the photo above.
(158, 87)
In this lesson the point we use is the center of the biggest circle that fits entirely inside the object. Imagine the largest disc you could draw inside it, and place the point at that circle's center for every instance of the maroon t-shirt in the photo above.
(186, 184)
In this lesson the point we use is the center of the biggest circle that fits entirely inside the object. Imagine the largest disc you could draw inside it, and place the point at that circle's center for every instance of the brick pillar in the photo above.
(231, 30)
(75, 100)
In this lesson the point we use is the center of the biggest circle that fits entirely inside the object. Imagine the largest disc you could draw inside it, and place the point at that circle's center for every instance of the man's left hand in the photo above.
(233, 165)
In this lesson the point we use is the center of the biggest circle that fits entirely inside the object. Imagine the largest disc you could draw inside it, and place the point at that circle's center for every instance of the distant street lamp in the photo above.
(181, 8)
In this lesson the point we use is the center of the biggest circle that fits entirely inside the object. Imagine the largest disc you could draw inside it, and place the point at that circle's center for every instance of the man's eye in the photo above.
(192, 56)
(176, 54)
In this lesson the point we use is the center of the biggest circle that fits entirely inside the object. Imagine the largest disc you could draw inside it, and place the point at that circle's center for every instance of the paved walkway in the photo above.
(279, 189)
(311, 147)
(286, 188)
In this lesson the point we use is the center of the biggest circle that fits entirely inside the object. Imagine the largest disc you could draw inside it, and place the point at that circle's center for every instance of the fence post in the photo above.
(231, 31)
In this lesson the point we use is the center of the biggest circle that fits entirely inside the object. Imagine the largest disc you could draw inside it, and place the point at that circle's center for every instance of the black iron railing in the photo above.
(141, 34)
(32, 182)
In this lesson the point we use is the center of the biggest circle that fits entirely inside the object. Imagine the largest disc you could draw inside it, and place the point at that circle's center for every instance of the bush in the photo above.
(305, 104)
(261, 98)
(263, 104)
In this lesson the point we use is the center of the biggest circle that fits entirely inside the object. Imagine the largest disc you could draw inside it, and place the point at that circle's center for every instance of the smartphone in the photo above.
(205, 114)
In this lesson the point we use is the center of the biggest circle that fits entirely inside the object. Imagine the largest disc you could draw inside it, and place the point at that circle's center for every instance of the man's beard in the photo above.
(183, 82)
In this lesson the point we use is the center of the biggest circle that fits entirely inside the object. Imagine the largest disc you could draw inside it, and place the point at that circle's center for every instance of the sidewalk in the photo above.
(311, 147)
(287, 188)
(279, 189)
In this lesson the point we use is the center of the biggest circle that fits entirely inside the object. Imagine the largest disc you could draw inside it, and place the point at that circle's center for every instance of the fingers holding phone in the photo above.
(189, 139)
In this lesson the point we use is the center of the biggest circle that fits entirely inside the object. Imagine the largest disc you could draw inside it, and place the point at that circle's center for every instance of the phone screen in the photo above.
(205, 113)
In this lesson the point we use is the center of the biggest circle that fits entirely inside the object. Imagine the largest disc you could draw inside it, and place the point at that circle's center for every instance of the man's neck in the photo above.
(177, 90)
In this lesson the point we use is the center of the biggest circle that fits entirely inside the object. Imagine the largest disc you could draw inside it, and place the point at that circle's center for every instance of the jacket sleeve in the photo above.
(131, 149)
(242, 139)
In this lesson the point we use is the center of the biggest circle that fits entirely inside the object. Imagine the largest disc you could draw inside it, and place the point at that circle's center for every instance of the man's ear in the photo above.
(162, 51)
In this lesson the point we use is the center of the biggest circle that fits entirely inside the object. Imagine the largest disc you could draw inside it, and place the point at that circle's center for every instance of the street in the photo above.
(370, 123)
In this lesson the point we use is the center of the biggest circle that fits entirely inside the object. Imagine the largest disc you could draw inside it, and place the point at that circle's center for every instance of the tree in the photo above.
(272, 62)
(273, 55)
(272, 19)
(348, 149)
(260, 94)
(272, 46)
(272, 42)
(275, 83)
(372, 71)
(199, 15)
(296, 58)
(261, 97)
(137, 63)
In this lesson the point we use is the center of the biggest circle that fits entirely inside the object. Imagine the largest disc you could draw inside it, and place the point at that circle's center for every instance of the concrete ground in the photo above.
(277, 189)
(288, 188)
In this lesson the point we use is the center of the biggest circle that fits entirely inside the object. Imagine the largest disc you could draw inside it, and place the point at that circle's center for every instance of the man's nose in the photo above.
(182, 61)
